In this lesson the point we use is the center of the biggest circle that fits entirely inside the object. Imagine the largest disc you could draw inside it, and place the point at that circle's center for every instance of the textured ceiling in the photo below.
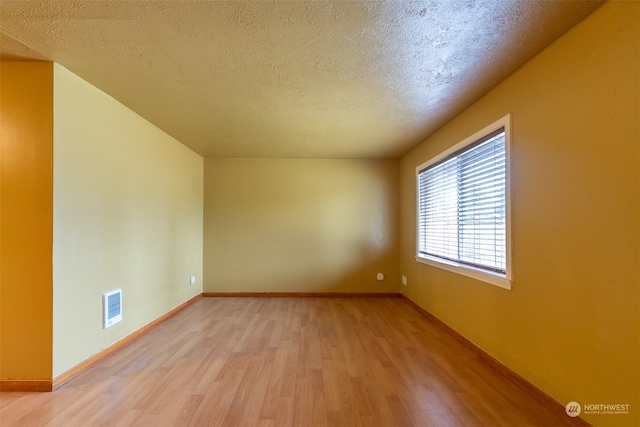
(355, 79)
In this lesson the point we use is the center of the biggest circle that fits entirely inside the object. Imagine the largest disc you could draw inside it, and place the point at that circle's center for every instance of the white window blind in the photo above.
(462, 206)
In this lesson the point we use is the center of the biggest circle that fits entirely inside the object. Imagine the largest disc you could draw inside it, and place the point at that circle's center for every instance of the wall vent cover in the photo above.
(111, 308)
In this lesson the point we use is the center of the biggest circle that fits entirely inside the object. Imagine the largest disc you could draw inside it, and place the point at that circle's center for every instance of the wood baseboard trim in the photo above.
(533, 391)
(67, 376)
(300, 295)
(26, 385)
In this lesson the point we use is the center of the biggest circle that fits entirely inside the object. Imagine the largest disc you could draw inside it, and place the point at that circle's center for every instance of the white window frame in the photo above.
(502, 280)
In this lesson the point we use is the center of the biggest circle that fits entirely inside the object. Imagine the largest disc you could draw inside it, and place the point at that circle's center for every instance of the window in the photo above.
(463, 207)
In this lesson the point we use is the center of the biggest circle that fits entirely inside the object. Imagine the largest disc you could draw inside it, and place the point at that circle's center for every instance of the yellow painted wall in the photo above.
(571, 323)
(26, 140)
(298, 225)
(127, 214)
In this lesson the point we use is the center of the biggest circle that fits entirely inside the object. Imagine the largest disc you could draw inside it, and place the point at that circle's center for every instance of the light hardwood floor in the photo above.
(287, 362)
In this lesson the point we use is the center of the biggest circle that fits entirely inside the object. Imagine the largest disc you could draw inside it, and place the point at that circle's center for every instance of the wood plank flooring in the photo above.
(272, 362)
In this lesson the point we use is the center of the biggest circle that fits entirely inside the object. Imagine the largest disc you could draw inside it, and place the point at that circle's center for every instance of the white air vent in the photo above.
(111, 308)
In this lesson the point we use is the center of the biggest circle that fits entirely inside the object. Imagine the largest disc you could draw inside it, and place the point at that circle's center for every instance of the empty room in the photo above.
(319, 213)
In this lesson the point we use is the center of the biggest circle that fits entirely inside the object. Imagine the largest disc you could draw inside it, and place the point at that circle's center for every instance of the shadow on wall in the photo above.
(312, 269)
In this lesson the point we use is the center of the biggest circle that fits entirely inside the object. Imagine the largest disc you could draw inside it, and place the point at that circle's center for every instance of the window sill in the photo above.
(484, 276)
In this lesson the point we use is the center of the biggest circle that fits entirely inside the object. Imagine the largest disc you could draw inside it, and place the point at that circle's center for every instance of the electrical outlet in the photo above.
(404, 280)
(380, 276)
(192, 280)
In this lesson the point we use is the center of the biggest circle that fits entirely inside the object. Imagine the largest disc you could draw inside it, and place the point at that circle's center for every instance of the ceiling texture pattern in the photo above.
(290, 79)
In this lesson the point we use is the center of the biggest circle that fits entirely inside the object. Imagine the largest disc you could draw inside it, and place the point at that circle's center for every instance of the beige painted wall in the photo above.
(127, 214)
(26, 287)
(287, 225)
(571, 323)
